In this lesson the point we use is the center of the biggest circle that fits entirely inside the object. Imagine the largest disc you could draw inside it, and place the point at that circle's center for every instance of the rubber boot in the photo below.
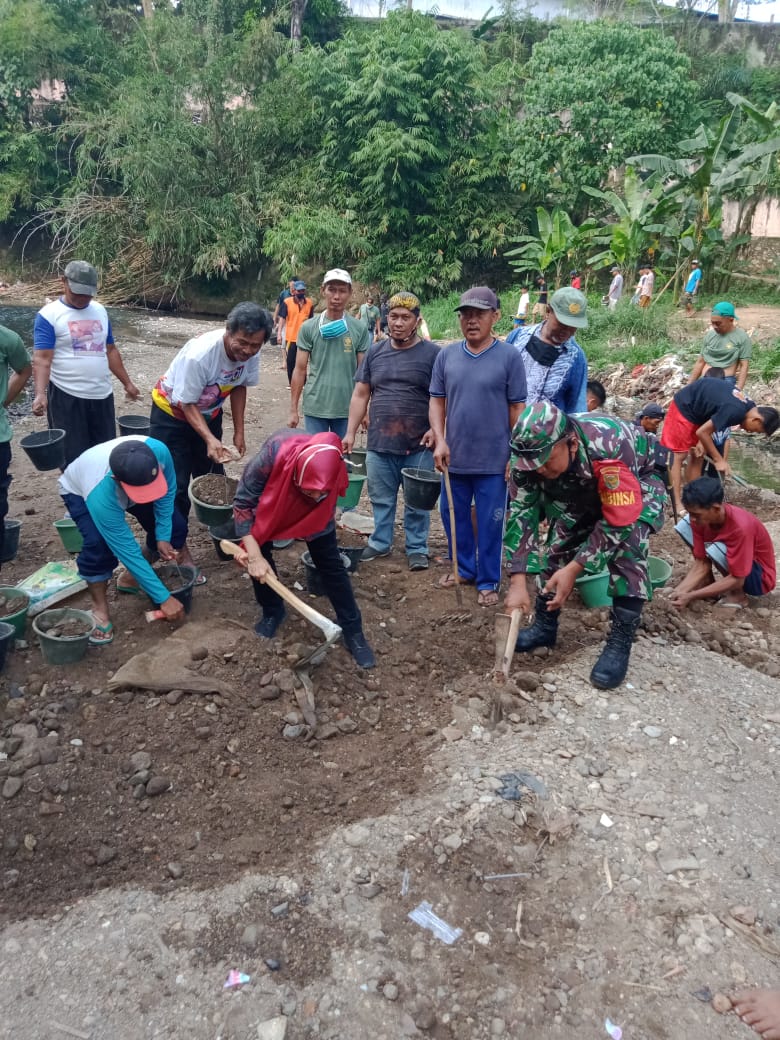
(544, 630)
(610, 669)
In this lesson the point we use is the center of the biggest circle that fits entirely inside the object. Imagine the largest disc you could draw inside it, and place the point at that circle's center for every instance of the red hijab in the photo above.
(313, 462)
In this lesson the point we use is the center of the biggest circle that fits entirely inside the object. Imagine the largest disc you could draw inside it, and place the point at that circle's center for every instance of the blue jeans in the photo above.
(316, 424)
(478, 560)
(384, 480)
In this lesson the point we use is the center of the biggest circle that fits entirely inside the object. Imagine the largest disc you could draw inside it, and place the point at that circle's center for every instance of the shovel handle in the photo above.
(514, 627)
(329, 629)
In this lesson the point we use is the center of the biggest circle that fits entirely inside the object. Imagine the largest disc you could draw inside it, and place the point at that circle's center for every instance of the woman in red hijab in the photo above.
(289, 490)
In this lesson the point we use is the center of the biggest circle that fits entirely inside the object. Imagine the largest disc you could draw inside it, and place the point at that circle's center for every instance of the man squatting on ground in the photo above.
(593, 478)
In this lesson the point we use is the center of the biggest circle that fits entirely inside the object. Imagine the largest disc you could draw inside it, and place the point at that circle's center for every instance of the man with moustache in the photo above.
(556, 369)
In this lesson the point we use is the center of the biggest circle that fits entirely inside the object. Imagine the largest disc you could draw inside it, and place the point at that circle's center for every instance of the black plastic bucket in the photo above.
(46, 450)
(353, 552)
(226, 531)
(133, 425)
(7, 636)
(13, 529)
(188, 575)
(421, 487)
(314, 582)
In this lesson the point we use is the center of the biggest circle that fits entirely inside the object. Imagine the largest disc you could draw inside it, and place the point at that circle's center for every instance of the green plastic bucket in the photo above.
(7, 636)
(13, 528)
(62, 649)
(352, 496)
(593, 587)
(19, 617)
(208, 514)
(70, 536)
(659, 571)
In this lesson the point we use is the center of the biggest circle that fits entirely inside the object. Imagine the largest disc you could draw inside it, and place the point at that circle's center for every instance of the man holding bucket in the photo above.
(13, 358)
(188, 400)
(394, 378)
(593, 478)
(125, 475)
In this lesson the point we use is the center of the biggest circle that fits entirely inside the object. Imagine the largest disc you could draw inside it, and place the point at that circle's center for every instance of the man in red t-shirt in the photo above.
(750, 555)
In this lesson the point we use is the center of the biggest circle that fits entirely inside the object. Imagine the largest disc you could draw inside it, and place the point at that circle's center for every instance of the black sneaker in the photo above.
(370, 553)
(267, 625)
(418, 562)
(356, 643)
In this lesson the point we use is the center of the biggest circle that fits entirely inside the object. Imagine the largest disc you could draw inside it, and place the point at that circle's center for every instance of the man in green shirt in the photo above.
(370, 314)
(331, 346)
(13, 358)
(725, 346)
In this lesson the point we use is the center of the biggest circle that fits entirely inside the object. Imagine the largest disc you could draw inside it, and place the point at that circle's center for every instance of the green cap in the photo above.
(570, 307)
(538, 429)
(724, 309)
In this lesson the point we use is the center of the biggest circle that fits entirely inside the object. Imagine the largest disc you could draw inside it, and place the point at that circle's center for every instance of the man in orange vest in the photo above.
(294, 311)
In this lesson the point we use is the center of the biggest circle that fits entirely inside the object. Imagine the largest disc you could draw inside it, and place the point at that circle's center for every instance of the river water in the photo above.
(754, 459)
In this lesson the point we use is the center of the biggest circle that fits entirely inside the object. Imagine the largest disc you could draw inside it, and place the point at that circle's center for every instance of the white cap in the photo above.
(337, 274)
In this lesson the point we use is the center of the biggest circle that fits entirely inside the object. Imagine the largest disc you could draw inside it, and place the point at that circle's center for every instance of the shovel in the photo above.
(507, 627)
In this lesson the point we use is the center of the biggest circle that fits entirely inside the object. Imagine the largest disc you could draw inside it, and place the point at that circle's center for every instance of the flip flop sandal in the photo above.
(200, 579)
(487, 598)
(102, 634)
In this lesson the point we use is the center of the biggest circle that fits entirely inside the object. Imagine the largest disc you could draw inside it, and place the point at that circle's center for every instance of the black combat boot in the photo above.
(610, 669)
(544, 630)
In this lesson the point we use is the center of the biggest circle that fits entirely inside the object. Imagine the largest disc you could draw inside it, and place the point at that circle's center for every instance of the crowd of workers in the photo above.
(545, 485)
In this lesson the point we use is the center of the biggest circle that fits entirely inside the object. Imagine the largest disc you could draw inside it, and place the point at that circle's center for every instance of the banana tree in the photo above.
(557, 243)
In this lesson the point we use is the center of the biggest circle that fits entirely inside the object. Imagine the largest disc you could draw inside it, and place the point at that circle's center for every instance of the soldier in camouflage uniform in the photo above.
(593, 477)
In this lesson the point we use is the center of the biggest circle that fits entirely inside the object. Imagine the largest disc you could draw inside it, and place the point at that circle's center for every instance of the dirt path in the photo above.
(646, 876)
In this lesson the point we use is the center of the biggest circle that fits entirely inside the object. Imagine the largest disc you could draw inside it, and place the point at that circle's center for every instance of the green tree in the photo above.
(638, 227)
(412, 157)
(593, 92)
(557, 244)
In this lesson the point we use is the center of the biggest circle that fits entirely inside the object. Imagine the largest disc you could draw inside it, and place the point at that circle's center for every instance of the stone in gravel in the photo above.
(424, 1016)
(285, 680)
(452, 733)
(270, 692)
(12, 786)
(326, 731)
(356, 836)
(371, 715)
(347, 724)
(175, 870)
(174, 696)
(453, 841)
(378, 936)
(652, 731)
(105, 854)
(669, 863)
(249, 935)
(140, 760)
(390, 991)
(272, 1028)
(721, 1003)
(50, 808)
(369, 891)
(293, 732)
(526, 680)
(48, 753)
(743, 914)
(158, 785)
(280, 910)
(497, 1027)
(199, 653)
(274, 965)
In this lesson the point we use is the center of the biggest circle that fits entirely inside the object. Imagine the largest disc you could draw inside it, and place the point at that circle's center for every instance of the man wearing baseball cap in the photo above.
(592, 477)
(331, 345)
(556, 368)
(692, 287)
(74, 358)
(725, 346)
(125, 475)
(477, 392)
(294, 311)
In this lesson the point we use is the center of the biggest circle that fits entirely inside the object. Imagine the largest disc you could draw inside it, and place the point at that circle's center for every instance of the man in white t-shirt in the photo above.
(74, 358)
(187, 401)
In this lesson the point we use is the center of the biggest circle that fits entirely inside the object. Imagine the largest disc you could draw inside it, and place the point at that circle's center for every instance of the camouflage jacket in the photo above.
(579, 497)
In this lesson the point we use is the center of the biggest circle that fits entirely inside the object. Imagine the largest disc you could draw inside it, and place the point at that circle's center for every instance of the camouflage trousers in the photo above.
(623, 553)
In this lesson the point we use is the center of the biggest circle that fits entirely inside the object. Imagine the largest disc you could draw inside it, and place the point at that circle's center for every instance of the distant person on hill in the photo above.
(540, 307)
(646, 288)
(522, 307)
(750, 554)
(556, 368)
(74, 358)
(691, 290)
(371, 316)
(595, 395)
(696, 412)
(294, 311)
(13, 358)
(574, 280)
(615, 290)
(725, 346)
(279, 326)
(638, 287)
(330, 349)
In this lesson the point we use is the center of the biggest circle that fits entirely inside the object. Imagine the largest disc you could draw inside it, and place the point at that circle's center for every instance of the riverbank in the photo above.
(641, 875)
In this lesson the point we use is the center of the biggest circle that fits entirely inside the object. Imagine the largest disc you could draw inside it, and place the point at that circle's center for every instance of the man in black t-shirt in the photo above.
(696, 412)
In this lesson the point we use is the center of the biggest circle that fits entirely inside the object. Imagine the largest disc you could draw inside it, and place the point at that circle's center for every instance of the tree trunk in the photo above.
(297, 11)
(148, 8)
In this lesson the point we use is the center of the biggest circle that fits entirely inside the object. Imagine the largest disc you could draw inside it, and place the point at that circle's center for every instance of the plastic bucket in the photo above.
(421, 487)
(208, 514)
(593, 589)
(62, 649)
(353, 553)
(314, 582)
(227, 531)
(130, 425)
(187, 574)
(18, 617)
(69, 533)
(358, 460)
(352, 496)
(7, 636)
(46, 450)
(13, 528)
(659, 571)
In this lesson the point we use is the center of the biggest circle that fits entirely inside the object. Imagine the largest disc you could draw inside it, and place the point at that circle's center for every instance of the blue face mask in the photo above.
(332, 329)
